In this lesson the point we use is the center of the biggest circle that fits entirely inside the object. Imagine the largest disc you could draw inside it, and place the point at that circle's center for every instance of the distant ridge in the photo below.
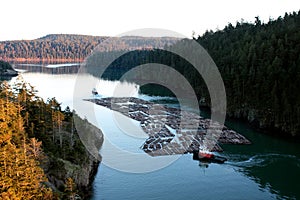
(73, 47)
(55, 37)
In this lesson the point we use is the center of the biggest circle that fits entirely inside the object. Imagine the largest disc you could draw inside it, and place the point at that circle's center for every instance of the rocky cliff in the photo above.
(58, 170)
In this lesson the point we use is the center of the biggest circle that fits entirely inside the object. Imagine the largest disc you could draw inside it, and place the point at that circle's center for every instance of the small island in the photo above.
(7, 70)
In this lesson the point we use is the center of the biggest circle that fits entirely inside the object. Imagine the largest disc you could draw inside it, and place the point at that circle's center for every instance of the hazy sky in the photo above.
(29, 19)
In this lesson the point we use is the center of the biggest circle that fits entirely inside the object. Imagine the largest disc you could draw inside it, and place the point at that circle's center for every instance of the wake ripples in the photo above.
(260, 160)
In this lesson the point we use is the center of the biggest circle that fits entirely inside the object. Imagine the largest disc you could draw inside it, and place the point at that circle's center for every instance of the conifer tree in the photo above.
(21, 177)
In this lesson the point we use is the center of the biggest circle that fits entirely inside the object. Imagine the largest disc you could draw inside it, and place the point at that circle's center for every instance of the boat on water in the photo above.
(94, 91)
(208, 157)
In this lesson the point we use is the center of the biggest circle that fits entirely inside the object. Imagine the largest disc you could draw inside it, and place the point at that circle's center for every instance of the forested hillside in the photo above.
(66, 47)
(41, 154)
(259, 64)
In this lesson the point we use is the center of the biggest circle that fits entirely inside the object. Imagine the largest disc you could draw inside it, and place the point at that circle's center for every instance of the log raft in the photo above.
(170, 130)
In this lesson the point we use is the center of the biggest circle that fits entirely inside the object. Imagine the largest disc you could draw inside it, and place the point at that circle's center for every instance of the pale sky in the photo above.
(30, 19)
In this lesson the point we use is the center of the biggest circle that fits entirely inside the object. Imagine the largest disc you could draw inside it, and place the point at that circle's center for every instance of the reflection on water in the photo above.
(267, 169)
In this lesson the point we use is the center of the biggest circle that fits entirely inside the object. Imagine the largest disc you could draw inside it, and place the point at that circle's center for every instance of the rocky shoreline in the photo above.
(170, 130)
(83, 173)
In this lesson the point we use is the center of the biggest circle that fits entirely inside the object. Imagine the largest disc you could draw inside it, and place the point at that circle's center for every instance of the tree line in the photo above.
(260, 66)
(74, 47)
(259, 63)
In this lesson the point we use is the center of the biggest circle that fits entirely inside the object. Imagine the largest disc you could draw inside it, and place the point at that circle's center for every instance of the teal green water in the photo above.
(269, 168)
(274, 163)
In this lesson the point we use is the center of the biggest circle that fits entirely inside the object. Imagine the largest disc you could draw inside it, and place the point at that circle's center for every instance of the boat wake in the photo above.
(260, 160)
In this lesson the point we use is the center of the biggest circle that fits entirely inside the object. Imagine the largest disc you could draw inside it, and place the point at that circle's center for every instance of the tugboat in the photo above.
(94, 91)
(208, 157)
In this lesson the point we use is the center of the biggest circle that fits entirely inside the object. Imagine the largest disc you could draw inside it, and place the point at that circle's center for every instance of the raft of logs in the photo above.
(170, 130)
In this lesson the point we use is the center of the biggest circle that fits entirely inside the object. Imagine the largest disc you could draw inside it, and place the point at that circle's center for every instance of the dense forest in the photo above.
(67, 47)
(260, 66)
(259, 63)
(41, 154)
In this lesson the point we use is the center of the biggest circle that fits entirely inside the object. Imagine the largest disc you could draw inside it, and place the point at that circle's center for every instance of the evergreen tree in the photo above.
(20, 175)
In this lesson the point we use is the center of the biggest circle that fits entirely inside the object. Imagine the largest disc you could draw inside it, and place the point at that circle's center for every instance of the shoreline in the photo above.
(43, 60)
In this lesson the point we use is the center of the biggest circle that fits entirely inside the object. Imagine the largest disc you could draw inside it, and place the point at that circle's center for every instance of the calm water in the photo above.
(267, 169)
